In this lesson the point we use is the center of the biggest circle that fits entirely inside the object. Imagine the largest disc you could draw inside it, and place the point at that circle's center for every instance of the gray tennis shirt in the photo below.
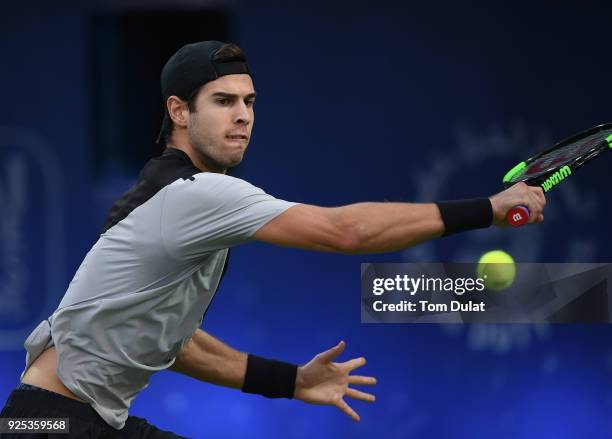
(143, 288)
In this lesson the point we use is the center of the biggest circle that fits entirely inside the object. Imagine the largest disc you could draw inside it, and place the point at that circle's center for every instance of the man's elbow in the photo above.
(348, 241)
(346, 246)
(185, 358)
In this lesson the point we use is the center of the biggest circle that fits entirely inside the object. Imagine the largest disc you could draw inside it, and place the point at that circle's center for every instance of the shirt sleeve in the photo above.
(214, 211)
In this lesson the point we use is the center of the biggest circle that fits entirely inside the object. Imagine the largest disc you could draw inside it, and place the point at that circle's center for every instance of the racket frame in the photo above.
(573, 164)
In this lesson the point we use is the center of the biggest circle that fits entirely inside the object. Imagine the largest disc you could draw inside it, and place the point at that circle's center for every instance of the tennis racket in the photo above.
(553, 166)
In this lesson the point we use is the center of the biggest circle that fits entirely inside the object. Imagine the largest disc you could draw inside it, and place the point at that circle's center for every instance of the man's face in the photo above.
(220, 127)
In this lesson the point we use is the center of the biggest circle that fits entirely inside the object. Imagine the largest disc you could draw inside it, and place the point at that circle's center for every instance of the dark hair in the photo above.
(226, 53)
(168, 125)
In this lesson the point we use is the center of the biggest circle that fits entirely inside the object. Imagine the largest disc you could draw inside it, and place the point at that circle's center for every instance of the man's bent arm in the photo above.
(207, 359)
(321, 381)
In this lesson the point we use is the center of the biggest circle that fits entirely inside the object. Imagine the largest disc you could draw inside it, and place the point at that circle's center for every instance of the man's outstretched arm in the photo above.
(320, 381)
(386, 227)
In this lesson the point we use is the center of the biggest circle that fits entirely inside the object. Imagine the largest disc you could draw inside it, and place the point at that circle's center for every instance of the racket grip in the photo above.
(518, 216)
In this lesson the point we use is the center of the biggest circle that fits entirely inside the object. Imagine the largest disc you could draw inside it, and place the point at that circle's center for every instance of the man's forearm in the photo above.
(208, 359)
(386, 227)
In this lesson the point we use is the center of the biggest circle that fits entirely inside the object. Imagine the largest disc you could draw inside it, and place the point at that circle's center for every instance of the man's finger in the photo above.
(537, 190)
(358, 380)
(332, 353)
(342, 405)
(540, 200)
(354, 363)
(362, 396)
(542, 197)
(536, 209)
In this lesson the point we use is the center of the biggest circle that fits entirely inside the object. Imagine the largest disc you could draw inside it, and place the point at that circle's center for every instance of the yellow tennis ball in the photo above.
(497, 269)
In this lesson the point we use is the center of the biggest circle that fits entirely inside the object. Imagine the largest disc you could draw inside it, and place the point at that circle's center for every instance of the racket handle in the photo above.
(518, 216)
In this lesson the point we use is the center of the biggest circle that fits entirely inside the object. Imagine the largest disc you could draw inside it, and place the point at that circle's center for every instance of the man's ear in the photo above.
(178, 111)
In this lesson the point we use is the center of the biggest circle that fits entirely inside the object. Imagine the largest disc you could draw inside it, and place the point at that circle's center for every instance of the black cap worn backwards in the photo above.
(191, 67)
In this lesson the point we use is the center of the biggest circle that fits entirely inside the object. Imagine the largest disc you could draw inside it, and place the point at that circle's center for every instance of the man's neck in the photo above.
(195, 158)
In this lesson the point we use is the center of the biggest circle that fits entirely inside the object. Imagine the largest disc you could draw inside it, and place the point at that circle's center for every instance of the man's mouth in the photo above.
(237, 137)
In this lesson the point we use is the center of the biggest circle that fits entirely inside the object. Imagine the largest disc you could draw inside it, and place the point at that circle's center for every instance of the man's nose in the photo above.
(243, 114)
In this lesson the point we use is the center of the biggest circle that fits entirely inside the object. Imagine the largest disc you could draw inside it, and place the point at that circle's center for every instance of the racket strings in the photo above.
(564, 155)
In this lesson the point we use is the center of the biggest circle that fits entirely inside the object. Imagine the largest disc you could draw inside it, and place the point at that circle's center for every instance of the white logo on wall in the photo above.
(469, 154)
(29, 171)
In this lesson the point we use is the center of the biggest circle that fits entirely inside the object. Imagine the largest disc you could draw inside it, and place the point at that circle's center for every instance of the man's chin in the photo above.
(233, 161)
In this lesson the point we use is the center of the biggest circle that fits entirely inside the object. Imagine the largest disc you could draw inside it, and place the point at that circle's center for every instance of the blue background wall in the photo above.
(356, 102)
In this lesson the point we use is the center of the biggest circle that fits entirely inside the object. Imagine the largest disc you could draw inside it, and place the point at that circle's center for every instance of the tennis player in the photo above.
(136, 303)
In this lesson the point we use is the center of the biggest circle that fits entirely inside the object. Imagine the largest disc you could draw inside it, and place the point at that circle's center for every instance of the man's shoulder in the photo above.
(217, 178)
(214, 183)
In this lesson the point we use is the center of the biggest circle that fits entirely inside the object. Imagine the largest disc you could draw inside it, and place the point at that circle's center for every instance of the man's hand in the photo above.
(323, 382)
(530, 196)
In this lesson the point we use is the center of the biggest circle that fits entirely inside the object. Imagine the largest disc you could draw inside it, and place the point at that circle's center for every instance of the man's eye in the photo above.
(223, 101)
(250, 103)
